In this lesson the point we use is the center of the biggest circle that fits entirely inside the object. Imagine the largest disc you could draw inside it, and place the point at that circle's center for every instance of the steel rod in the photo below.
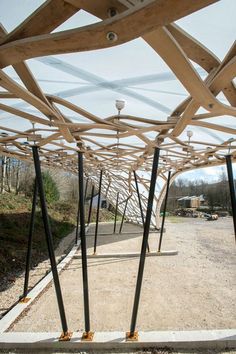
(123, 216)
(85, 195)
(116, 211)
(30, 239)
(77, 220)
(86, 189)
(164, 211)
(83, 243)
(48, 233)
(232, 190)
(140, 204)
(90, 206)
(144, 241)
(97, 216)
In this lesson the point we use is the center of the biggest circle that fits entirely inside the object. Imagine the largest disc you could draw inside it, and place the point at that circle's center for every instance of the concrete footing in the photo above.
(129, 255)
(217, 339)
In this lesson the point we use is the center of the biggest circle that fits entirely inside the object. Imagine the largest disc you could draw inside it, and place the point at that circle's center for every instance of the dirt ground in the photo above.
(11, 295)
(192, 290)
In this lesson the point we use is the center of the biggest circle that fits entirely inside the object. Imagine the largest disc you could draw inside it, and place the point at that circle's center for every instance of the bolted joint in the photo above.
(112, 36)
(112, 11)
(132, 336)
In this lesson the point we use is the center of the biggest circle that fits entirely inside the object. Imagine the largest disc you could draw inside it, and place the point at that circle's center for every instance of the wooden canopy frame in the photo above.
(121, 21)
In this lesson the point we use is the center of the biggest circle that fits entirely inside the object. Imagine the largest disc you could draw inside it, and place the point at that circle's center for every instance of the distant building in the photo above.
(191, 201)
(104, 204)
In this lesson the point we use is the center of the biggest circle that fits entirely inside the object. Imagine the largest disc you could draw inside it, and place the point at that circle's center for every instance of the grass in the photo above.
(175, 219)
(15, 212)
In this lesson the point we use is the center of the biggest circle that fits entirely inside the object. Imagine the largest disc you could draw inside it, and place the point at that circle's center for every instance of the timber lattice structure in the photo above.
(59, 137)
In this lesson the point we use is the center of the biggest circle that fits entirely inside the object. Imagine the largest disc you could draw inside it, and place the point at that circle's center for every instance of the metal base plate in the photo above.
(24, 300)
(132, 337)
(65, 336)
(87, 336)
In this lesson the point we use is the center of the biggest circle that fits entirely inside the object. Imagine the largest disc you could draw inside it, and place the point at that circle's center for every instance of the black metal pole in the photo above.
(144, 242)
(48, 233)
(116, 210)
(139, 200)
(140, 204)
(90, 206)
(123, 216)
(77, 220)
(232, 189)
(77, 226)
(86, 188)
(85, 196)
(30, 239)
(83, 243)
(97, 216)
(164, 211)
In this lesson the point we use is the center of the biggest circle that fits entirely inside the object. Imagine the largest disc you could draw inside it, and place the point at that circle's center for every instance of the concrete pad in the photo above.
(217, 339)
(129, 255)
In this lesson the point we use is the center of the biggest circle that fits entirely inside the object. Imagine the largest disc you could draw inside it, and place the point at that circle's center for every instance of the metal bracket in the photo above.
(65, 336)
(132, 337)
(24, 300)
(87, 336)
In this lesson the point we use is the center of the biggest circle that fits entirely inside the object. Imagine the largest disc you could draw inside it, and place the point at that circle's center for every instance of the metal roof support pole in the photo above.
(123, 216)
(77, 224)
(140, 204)
(29, 246)
(65, 334)
(90, 205)
(86, 190)
(164, 211)
(133, 335)
(87, 335)
(97, 216)
(116, 211)
(232, 189)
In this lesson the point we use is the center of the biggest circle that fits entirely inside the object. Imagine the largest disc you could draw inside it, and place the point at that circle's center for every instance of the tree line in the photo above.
(216, 194)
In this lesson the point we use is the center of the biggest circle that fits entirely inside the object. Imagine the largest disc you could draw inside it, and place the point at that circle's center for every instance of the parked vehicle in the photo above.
(211, 217)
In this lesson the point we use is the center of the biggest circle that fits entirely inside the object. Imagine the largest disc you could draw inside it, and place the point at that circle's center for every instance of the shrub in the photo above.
(50, 188)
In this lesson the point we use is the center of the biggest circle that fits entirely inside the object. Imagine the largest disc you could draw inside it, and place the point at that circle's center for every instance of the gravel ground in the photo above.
(193, 290)
(13, 292)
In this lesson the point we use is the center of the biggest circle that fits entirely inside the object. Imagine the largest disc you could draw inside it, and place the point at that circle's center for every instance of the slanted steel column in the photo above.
(132, 335)
(232, 189)
(116, 211)
(86, 189)
(77, 227)
(29, 247)
(97, 216)
(164, 211)
(90, 205)
(87, 332)
(139, 200)
(65, 334)
(123, 216)
(78, 212)
(140, 204)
